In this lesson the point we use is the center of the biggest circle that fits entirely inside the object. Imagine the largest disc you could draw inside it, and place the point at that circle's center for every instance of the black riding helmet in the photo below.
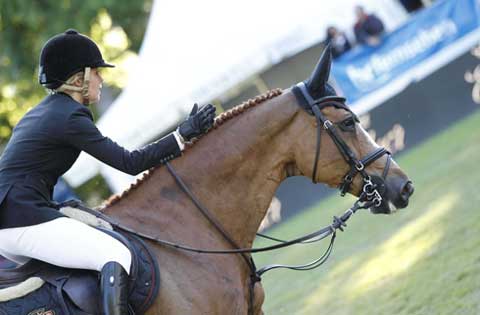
(65, 54)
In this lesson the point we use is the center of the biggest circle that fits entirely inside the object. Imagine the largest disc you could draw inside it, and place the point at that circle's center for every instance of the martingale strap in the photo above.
(254, 276)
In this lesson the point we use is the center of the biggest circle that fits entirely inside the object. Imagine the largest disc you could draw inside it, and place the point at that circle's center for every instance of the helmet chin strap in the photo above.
(85, 86)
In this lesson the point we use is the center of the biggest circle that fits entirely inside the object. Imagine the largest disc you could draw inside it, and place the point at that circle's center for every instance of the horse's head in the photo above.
(334, 149)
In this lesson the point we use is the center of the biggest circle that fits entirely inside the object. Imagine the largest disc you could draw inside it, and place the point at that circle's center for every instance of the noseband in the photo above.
(314, 107)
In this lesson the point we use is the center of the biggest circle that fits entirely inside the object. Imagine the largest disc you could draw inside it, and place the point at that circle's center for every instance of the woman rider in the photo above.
(45, 144)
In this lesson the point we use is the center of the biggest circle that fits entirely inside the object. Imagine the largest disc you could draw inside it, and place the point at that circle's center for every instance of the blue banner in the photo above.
(367, 69)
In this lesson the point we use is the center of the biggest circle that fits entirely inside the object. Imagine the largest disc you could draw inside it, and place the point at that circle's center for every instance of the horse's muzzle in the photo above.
(395, 196)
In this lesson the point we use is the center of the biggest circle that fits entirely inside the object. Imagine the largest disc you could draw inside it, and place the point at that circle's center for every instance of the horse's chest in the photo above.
(213, 289)
(223, 295)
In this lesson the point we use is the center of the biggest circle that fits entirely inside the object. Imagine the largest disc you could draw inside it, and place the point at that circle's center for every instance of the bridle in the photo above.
(370, 196)
(357, 166)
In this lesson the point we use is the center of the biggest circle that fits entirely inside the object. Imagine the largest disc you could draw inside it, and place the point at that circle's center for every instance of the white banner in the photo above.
(194, 51)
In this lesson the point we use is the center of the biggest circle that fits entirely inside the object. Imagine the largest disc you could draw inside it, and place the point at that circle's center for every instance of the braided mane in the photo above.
(220, 120)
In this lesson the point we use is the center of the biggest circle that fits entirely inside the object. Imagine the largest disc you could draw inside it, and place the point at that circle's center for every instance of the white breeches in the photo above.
(63, 242)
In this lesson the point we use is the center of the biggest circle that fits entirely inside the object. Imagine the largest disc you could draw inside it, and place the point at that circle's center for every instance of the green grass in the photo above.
(423, 260)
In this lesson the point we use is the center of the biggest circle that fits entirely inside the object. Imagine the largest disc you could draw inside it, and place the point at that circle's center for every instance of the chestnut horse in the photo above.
(235, 170)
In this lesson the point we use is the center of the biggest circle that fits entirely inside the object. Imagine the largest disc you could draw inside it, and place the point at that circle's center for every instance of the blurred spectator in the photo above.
(338, 42)
(368, 28)
(63, 192)
(412, 5)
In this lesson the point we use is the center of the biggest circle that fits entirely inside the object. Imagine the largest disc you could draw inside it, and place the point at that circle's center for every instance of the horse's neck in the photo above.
(234, 171)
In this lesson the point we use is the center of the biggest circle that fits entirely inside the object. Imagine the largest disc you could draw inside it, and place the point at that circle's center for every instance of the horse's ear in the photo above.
(319, 77)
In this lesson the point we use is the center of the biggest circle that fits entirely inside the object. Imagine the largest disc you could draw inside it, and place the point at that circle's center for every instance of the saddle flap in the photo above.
(83, 290)
(20, 273)
(81, 286)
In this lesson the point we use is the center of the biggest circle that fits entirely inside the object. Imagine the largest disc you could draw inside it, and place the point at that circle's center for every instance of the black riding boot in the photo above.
(114, 289)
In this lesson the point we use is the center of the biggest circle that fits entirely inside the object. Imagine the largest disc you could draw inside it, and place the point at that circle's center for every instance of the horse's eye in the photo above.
(348, 124)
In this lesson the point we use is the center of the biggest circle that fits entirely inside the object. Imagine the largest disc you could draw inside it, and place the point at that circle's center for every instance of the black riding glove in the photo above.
(198, 122)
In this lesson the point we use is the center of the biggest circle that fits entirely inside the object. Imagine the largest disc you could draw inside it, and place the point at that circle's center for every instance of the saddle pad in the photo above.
(21, 289)
(85, 217)
(146, 280)
(43, 301)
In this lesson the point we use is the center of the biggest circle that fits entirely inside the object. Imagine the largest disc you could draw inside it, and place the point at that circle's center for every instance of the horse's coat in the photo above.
(234, 171)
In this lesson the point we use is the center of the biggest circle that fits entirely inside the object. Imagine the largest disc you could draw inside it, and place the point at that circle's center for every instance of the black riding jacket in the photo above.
(45, 144)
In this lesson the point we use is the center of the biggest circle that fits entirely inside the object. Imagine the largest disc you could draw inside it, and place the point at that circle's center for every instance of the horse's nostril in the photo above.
(407, 190)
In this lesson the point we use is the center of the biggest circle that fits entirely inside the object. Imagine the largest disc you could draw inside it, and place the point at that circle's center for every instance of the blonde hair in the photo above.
(68, 86)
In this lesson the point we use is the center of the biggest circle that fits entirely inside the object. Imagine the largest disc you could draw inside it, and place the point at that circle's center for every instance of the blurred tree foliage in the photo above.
(94, 192)
(117, 26)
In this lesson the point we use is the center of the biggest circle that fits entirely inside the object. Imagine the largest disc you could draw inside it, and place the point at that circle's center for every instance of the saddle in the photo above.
(38, 288)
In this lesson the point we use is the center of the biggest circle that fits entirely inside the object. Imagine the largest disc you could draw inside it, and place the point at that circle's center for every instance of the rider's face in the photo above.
(95, 86)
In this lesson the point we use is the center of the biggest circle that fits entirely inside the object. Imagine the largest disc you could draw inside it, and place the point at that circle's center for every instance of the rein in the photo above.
(369, 196)
(255, 274)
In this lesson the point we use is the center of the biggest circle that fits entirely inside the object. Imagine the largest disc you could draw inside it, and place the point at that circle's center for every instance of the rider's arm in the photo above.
(81, 132)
